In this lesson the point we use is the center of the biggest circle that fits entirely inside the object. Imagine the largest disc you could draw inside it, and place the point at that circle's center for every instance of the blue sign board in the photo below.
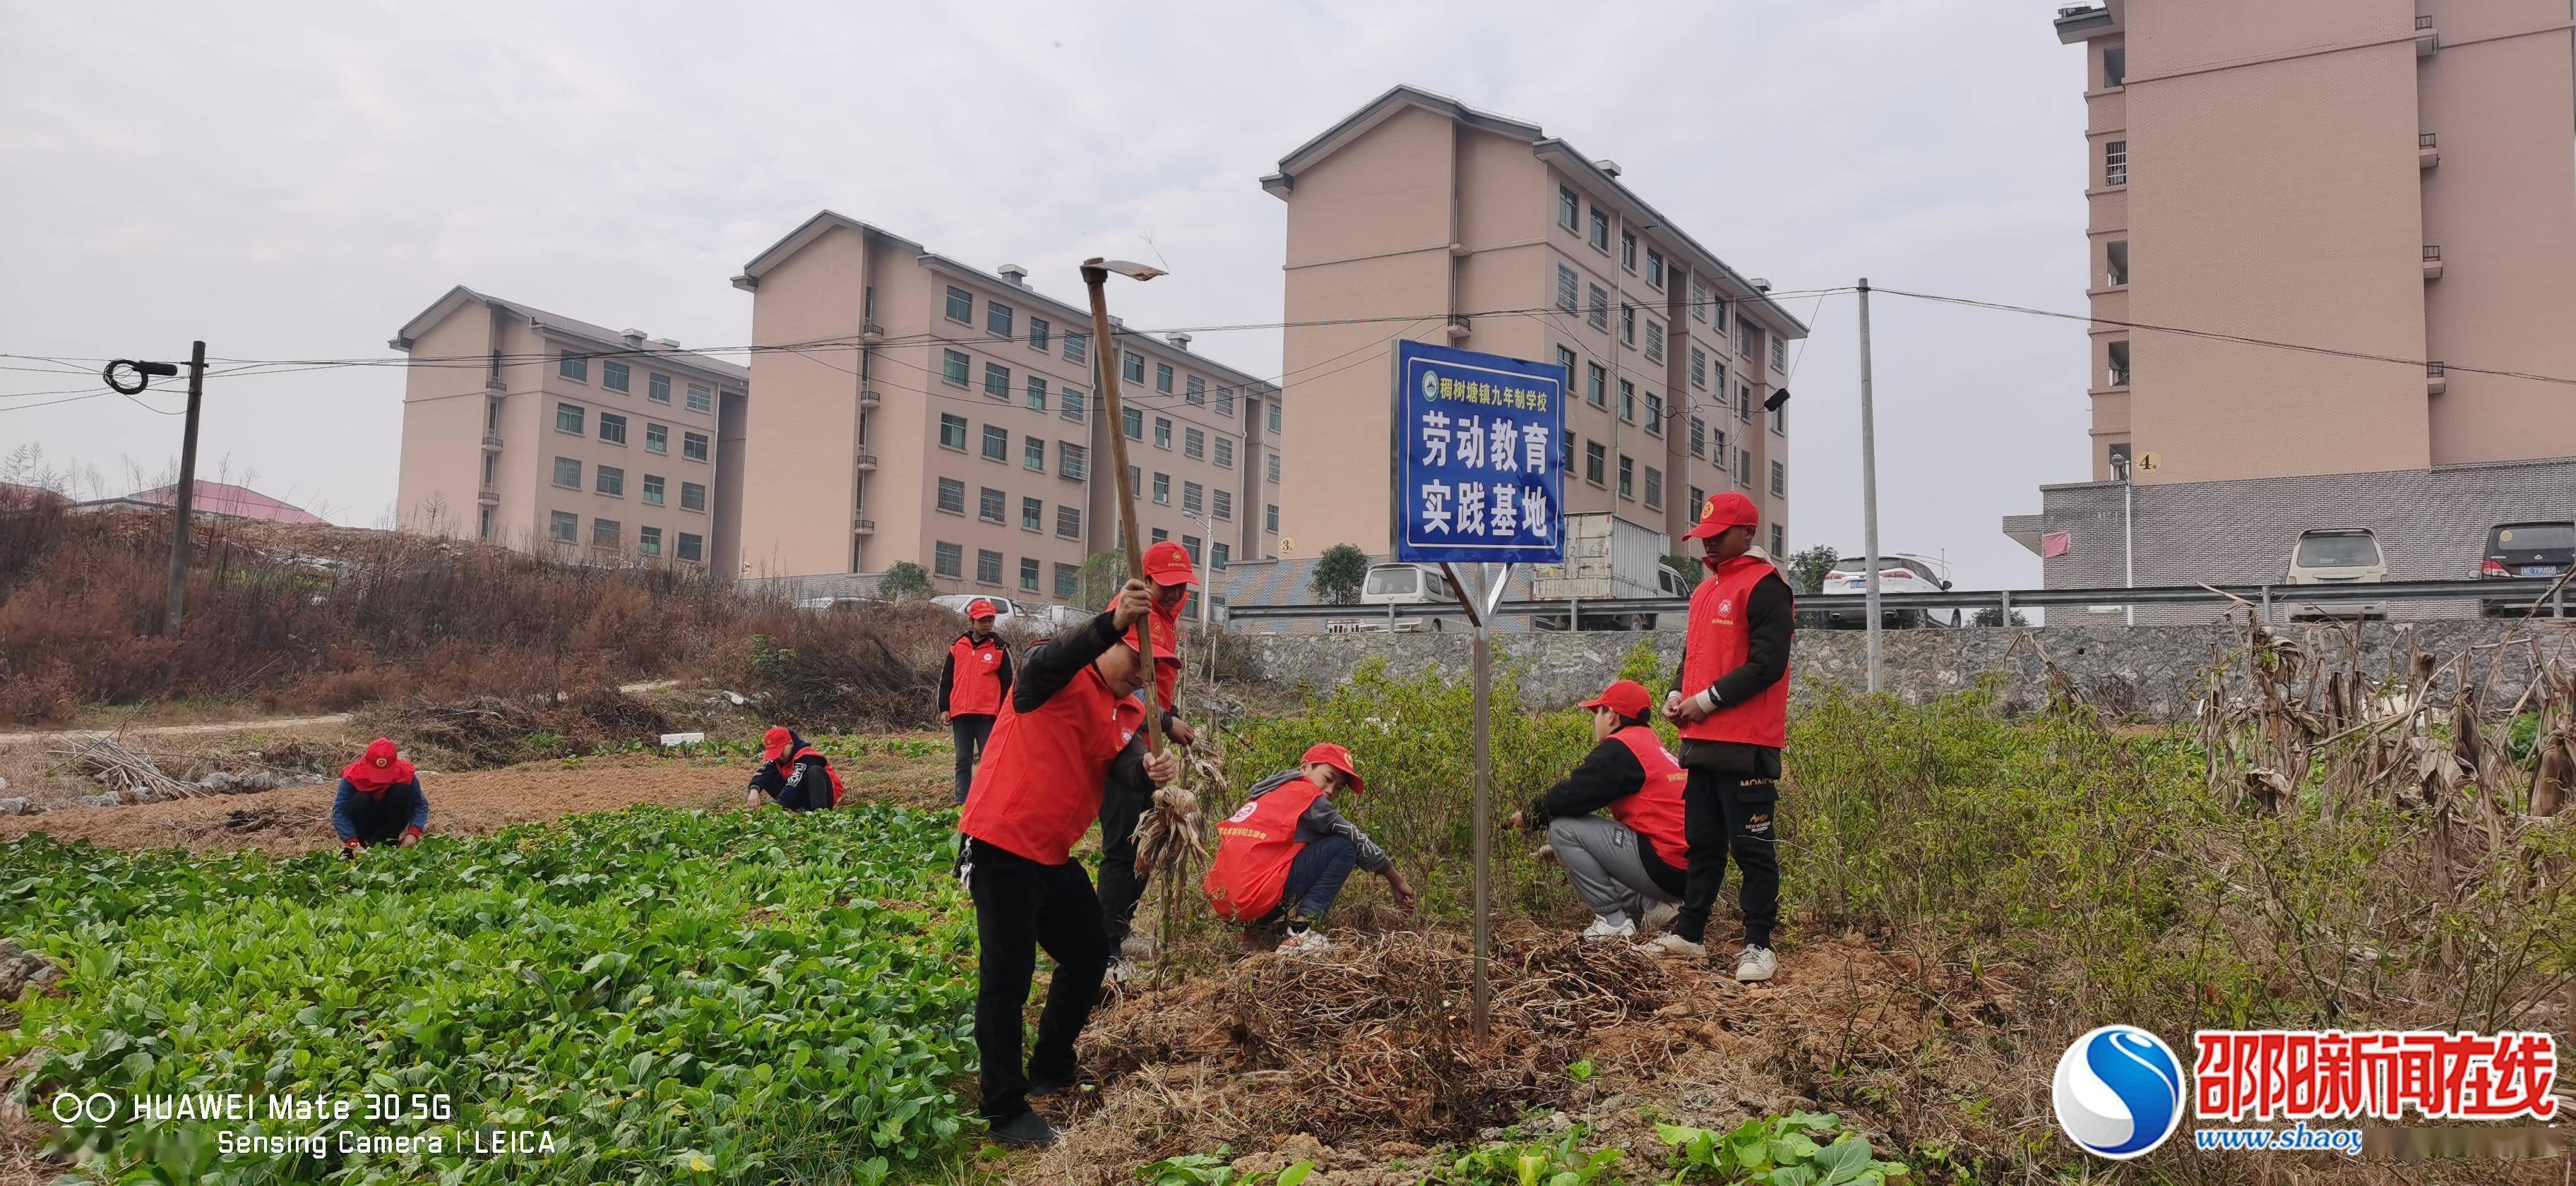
(1479, 458)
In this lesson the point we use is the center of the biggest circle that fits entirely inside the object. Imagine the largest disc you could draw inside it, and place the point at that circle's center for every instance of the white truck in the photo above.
(1606, 557)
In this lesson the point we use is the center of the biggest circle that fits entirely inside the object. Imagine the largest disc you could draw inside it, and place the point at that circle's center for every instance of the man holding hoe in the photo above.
(1123, 805)
(1731, 701)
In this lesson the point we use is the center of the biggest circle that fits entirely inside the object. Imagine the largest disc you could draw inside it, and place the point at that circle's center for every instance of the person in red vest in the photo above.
(1629, 868)
(1283, 856)
(1731, 700)
(1167, 565)
(1062, 735)
(795, 774)
(972, 683)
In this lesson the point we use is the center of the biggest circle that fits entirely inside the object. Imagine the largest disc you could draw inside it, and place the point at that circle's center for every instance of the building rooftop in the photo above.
(213, 498)
(607, 341)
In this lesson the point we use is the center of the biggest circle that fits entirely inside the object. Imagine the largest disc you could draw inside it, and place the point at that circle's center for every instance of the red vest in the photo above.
(975, 676)
(1253, 850)
(1655, 811)
(1167, 649)
(786, 765)
(1719, 639)
(1043, 772)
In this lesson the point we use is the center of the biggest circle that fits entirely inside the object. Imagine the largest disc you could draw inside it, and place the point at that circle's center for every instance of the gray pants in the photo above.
(1609, 873)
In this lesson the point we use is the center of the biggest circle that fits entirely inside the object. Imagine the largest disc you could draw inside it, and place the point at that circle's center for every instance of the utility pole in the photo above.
(1869, 487)
(178, 600)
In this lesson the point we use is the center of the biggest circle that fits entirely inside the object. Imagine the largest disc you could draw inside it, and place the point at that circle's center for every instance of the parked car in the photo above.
(1404, 584)
(1841, 603)
(2336, 556)
(1007, 614)
(2543, 549)
(844, 601)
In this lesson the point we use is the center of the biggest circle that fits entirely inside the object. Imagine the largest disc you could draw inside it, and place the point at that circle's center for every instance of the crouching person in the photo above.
(1065, 724)
(379, 802)
(793, 773)
(1632, 867)
(1284, 855)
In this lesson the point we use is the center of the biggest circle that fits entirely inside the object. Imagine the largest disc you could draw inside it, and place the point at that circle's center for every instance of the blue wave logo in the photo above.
(2119, 1092)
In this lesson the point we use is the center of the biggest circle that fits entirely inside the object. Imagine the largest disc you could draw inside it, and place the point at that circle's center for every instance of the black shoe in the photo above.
(1044, 1086)
(1024, 1131)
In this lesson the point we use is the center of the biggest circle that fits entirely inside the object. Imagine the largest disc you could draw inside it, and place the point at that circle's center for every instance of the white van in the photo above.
(2336, 556)
(1404, 584)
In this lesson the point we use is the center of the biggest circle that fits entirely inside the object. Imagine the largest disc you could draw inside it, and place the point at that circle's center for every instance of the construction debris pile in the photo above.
(126, 774)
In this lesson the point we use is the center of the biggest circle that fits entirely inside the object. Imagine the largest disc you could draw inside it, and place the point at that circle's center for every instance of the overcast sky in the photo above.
(295, 182)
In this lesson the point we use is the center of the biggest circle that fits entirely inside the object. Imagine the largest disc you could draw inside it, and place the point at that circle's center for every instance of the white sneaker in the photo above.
(1756, 964)
(1660, 916)
(1304, 942)
(1136, 947)
(1120, 971)
(1673, 945)
(1603, 928)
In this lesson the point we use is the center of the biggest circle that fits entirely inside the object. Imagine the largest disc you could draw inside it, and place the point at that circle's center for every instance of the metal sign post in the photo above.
(1479, 479)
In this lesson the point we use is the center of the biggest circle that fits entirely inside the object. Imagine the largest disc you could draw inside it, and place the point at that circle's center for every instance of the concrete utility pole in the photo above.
(1869, 487)
(178, 602)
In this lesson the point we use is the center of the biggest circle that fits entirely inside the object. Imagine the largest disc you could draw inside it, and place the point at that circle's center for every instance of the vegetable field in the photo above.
(663, 995)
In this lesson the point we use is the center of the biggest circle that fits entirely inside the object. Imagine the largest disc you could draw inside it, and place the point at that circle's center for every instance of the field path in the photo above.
(259, 724)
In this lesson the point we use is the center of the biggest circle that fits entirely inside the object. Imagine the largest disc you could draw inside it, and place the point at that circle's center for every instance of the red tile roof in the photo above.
(224, 498)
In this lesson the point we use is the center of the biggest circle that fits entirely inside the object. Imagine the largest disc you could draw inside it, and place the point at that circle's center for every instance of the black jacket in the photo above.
(948, 668)
(1768, 617)
(1608, 774)
(808, 787)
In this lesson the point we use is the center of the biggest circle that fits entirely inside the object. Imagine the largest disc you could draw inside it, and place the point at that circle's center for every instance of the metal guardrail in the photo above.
(2522, 590)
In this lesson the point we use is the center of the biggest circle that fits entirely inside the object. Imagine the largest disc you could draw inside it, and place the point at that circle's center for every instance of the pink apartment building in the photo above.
(542, 432)
(1490, 235)
(915, 408)
(2391, 182)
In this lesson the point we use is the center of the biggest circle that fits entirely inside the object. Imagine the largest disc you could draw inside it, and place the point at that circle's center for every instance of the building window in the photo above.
(952, 367)
(1272, 462)
(657, 438)
(1655, 413)
(961, 305)
(988, 566)
(1071, 408)
(1718, 369)
(1744, 337)
(1597, 304)
(952, 496)
(1627, 323)
(2115, 162)
(569, 418)
(1162, 432)
(648, 540)
(1076, 346)
(657, 387)
(1190, 544)
(2119, 456)
(2115, 257)
(1072, 460)
(1037, 393)
(1627, 401)
(1068, 581)
(1194, 444)
(1033, 454)
(1163, 489)
(1225, 402)
(1779, 353)
(1219, 556)
(1565, 288)
(1274, 415)
(1654, 342)
(997, 443)
(1565, 358)
(1193, 498)
(1133, 368)
(573, 366)
(1569, 208)
(1699, 498)
(1778, 543)
(1195, 391)
(612, 375)
(1158, 535)
(1270, 517)
(1600, 235)
(1163, 377)
(1698, 437)
(997, 319)
(1699, 301)
(693, 548)
(693, 497)
(1627, 477)
(2115, 66)
(1224, 507)
(1628, 250)
(997, 380)
(1744, 468)
(652, 490)
(1224, 451)
(702, 398)
(1596, 384)
(1744, 401)
(1596, 462)
(1699, 367)
(2119, 376)
(612, 428)
(611, 481)
(1041, 335)
(563, 527)
(568, 473)
(1780, 420)
(605, 533)
(947, 559)
(1135, 484)
(1654, 488)
(952, 431)
(1032, 514)
(1068, 522)
(1569, 446)
(1654, 268)
(1028, 574)
(1779, 478)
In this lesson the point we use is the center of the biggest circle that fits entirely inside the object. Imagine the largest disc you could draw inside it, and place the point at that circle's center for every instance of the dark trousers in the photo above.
(969, 732)
(381, 819)
(1726, 813)
(1021, 906)
(1315, 878)
(1121, 886)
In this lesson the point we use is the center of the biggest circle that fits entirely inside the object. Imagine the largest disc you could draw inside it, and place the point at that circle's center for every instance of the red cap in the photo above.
(1336, 757)
(1627, 697)
(1725, 510)
(979, 608)
(774, 743)
(1168, 563)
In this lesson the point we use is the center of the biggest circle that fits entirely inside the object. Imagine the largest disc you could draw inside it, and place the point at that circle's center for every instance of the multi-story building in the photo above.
(917, 409)
(1490, 235)
(2365, 212)
(543, 432)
